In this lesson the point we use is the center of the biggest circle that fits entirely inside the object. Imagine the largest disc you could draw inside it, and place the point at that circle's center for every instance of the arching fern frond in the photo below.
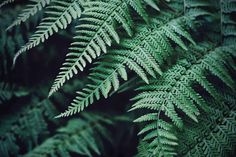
(174, 92)
(59, 15)
(96, 31)
(143, 54)
(79, 136)
(30, 10)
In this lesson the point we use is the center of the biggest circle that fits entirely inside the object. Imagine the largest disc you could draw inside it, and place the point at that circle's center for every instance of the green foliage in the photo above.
(59, 15)
(26, 126)
(7, 92)
(80, 136)
(30, 10)
(196, 8)
(6, 2)
(174, 93)
(175, 59)
(217, 137)
(143, 57)
(228, 29)
(95, 31)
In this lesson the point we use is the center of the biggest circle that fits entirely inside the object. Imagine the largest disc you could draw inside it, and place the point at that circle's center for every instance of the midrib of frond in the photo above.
(29, 12)
(66, 76)
(45, 33)
(74, 108)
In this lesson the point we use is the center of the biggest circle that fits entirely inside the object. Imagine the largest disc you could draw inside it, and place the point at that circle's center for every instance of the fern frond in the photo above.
(213, 136)
(144, 54)
(197, 8)
(228, 28)
(59, 15)
(25, 127)
(30, 10)
(174, 91)
(6, 2)
(79, 136)
(95, 32)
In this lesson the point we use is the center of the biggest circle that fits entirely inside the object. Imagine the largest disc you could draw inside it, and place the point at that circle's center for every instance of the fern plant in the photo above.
(78, 136)
(30, 10)
(174, 59)
(168, 96)
(216, 135)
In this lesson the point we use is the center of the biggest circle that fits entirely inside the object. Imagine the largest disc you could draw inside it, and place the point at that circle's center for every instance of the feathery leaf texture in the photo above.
(30, 10)
(228, 22)
(79, 136)
(95, 31)
(148, 50)
(174, 92)
(59, 15)
(26, 126)
(196, 8)
(214, 135)
(170, 98)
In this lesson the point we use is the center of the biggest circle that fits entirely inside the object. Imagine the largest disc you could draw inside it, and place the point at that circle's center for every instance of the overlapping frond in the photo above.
(25, 128)
(79, 136)
(30, 10)
(95, 32)
(59, 15)
(174, 93)
(143, 54)
(214, 135)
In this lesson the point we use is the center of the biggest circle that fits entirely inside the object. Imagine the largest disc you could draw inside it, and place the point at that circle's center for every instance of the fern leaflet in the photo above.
(59, 15)
(30, 10)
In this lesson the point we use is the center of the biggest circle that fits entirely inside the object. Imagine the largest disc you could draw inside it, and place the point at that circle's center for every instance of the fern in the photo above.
(183, 92)
(216, 138)
(155, 41)
(13, 39)
(95, 32)
(197, 8)
(173, 93)
(79, 136)
(228, 29)
(27, 125)
(59, 15)
(6, 2)
(29, 11)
